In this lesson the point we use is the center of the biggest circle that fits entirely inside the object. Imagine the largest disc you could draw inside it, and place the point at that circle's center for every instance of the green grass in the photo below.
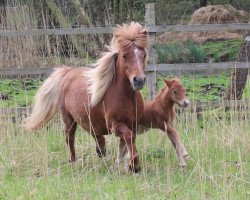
(190, 52)
(199, 88)
(20, 93)
(222, 51)
(34, 166)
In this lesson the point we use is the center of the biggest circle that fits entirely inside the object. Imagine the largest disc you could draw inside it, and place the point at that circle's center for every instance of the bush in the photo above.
(189, 52)
(177, 53)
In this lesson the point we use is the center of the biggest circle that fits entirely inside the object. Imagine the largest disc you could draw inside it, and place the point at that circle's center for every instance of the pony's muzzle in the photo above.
(138, 82)
(186, 103)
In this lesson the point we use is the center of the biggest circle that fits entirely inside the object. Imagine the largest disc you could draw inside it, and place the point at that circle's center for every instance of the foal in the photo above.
(159, 113)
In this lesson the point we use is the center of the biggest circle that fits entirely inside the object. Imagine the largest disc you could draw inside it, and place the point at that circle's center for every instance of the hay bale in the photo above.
(218, 14)
(212, 14)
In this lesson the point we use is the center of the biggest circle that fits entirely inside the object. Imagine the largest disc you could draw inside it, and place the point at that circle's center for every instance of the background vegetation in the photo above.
(34, 166)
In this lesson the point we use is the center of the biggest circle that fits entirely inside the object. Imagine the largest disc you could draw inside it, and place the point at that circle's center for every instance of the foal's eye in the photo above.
(124, 56)
(175, 92)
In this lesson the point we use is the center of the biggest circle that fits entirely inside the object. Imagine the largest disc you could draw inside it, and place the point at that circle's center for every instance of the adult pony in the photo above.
(102, 100)
(159, 113)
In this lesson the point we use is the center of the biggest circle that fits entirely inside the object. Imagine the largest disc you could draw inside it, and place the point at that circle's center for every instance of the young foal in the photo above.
(102, 100)
(159, 113)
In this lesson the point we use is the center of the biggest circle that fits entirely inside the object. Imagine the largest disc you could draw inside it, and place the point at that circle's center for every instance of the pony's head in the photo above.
(177, 92)
(126, 55)
(131, 41)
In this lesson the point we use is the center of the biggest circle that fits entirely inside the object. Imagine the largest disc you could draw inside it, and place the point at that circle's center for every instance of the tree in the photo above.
(239, 75)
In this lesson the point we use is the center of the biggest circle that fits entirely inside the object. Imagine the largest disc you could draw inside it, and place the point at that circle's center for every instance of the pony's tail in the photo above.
(46, 102)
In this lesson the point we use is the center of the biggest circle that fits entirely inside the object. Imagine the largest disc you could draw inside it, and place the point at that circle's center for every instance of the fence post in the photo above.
(239, 75)
(151, 76)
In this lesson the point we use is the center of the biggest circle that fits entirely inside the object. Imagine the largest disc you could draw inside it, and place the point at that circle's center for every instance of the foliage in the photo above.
(179, 53)
(222, 51)
(189, 52)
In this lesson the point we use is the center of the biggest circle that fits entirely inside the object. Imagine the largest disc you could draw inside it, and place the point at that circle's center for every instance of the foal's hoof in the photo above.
(183, 165)
(101, 153)
(134, 169)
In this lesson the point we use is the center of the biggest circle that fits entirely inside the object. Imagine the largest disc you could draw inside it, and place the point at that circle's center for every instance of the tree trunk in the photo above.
(86, 21)
(239, 75)
(64, 23)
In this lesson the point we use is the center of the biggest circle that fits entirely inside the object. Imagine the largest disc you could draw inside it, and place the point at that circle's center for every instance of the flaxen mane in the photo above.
(101, 76)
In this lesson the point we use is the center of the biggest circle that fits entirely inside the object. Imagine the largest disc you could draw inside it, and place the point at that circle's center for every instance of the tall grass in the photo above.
(34, 166)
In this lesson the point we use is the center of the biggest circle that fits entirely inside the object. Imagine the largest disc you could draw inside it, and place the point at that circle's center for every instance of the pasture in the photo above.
(35, 166)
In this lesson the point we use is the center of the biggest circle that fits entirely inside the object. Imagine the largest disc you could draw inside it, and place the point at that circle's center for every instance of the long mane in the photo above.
(101, 76)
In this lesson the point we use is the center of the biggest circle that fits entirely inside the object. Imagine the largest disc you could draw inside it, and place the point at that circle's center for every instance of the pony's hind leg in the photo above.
(100, 145)
(70, 140)
(70, 129)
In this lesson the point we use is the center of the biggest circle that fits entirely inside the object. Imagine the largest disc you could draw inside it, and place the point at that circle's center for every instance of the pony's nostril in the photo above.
(138, 82)
(135, 79)
(186, 103)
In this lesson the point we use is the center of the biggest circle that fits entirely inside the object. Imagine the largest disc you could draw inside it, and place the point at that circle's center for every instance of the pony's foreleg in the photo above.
(100, 145)
(126, 135)
(176, 141)
(122, 151)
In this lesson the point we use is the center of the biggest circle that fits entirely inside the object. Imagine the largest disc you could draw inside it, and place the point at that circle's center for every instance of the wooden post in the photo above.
(239, 75)
(152, 76)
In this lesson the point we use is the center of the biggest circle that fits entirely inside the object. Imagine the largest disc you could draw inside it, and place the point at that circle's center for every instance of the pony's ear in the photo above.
(168, 83)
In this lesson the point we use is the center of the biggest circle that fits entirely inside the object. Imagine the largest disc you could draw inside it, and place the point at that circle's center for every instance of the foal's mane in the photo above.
(101, 76)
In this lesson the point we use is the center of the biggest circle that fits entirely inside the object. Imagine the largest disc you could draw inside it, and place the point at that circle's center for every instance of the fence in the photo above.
(152, 68)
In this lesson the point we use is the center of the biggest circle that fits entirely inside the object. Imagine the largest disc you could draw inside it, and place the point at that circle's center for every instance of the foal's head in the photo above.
(177, 92)
(132, 42)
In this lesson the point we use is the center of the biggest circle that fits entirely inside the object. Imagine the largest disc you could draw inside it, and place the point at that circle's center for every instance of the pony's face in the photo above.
(177, 93)
(134, 61)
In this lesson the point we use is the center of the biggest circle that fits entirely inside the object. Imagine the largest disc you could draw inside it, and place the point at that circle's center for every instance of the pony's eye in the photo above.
(124, 56)
(175, 92)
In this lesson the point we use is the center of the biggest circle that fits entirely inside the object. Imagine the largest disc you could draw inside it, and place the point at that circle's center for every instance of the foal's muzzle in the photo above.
(138, 82)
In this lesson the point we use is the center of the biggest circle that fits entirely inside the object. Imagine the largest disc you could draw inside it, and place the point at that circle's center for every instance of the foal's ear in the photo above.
(168, 82)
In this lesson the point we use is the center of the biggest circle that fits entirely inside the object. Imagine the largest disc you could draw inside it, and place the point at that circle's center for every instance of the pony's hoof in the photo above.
(134, 169)
(101, 153)
(72, 161)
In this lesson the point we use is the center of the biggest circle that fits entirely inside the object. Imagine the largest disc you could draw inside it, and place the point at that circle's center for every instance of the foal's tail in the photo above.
(46, 102)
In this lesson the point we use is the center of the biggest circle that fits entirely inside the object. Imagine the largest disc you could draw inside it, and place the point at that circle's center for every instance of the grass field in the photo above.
(34, 166)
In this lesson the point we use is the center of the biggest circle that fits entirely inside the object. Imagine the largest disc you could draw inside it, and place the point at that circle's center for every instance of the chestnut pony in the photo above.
(159, 113)
(103, 99)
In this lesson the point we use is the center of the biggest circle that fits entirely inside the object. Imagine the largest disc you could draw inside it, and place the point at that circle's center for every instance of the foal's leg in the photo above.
(128, 140)
(176, 141)
(70, 129)
(100, 145)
